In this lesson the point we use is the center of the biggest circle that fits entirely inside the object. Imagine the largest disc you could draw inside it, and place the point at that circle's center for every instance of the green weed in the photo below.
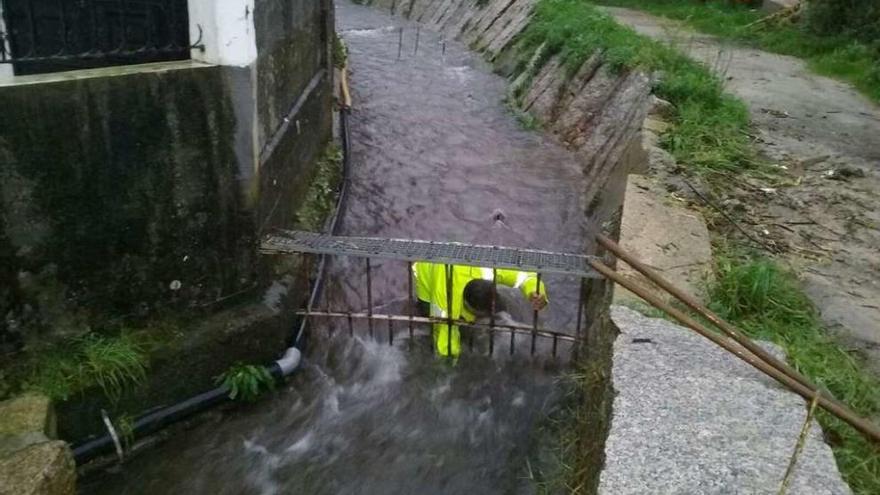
(323, 190)
(766, 302)
(710, 128)
(340, 52)
(112, 363)
(246, 381)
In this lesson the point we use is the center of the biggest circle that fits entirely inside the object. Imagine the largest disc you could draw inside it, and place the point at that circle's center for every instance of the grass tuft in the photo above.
(112, 363)
(765, 301)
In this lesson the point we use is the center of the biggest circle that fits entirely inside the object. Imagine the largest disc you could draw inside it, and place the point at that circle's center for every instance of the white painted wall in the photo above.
(5, 69)
(227, 31)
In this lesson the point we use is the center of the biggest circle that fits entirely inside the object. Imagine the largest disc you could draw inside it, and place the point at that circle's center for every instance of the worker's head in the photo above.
(478, 296)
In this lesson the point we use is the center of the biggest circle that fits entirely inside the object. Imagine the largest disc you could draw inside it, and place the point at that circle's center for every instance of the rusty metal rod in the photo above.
(535, 315)
(369, 297)
(418, 35)
(449, 289)
(520, 329)
(580, 314)
(492, 316)
(841, 411)
(695, 305)
(412, 304)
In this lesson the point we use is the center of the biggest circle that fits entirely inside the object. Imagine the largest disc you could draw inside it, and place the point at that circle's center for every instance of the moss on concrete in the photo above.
(126, 202)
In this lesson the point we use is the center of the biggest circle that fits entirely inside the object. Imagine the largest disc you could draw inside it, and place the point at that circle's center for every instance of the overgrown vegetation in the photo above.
(114, 364)
(765, 301)
(710, 128)
(246, 381)
(573, 465)
(340, 52)
(838, 38)
(323, 190)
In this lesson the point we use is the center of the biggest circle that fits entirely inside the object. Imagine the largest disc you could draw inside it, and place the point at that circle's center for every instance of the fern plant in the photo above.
(246, 382)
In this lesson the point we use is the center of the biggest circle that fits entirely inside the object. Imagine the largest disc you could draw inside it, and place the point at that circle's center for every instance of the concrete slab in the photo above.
(670, 238)
(691, 418)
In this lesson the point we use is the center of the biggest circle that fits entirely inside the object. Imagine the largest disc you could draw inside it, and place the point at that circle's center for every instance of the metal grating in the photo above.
(290, 242)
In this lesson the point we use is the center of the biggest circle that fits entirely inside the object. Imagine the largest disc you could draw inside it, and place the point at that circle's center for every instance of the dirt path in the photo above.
(827, 136)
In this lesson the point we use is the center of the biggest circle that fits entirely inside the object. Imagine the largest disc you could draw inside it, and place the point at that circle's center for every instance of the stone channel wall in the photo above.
(139, 193)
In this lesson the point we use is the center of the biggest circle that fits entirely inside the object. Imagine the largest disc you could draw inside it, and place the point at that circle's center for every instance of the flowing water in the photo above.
(435, 155)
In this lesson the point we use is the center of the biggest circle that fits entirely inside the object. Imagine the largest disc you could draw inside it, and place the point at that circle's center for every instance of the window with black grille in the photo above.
(57, 35)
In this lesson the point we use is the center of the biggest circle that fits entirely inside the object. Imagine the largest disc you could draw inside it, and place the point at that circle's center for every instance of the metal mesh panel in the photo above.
(289, 241)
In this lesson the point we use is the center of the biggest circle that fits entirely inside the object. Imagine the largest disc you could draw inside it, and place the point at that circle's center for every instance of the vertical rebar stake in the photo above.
(449, 288)
(369, 299)
(577, 327)
(390, 332)
(492, 316)
(307, 274)
(400, 43)
(535, 318)
(412, 306)
(350, 325)
(418, 35)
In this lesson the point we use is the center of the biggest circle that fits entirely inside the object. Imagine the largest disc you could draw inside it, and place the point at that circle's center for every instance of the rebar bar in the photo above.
(535, 316)
(449, 289)
(412, 306)
(418, 35)
(580, 313)
(516, 329)
(369, 298)
(493, 308)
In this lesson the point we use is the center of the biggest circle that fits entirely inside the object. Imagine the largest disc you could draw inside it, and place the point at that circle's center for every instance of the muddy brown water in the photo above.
(436, 155)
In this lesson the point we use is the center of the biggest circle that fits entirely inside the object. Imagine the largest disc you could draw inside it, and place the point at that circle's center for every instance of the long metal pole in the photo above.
(835, 408)
(492, 316)
(369, 297)
(695, 305)
(449, 289)
(535, 317)
(412, 304)
(580, 314)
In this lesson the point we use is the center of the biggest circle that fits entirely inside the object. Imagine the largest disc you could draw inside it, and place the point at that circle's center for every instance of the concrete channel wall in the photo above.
(135, 193)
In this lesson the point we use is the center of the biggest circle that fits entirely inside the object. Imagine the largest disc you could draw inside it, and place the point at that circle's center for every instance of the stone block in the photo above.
(45, 468)
(671, 239)
(27, 413)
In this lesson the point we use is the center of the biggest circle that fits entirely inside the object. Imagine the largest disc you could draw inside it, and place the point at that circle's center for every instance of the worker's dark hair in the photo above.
(478, 295)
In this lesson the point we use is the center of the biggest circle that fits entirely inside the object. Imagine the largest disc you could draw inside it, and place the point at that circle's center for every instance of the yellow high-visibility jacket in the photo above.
(430, 283)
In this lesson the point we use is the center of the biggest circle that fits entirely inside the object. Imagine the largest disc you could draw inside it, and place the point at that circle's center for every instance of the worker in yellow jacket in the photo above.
(472, 296)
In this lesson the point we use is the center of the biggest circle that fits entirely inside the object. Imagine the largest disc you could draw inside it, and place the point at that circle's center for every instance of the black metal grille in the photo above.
(57, 35)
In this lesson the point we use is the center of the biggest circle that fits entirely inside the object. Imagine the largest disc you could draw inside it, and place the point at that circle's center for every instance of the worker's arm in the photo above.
(526, 282)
